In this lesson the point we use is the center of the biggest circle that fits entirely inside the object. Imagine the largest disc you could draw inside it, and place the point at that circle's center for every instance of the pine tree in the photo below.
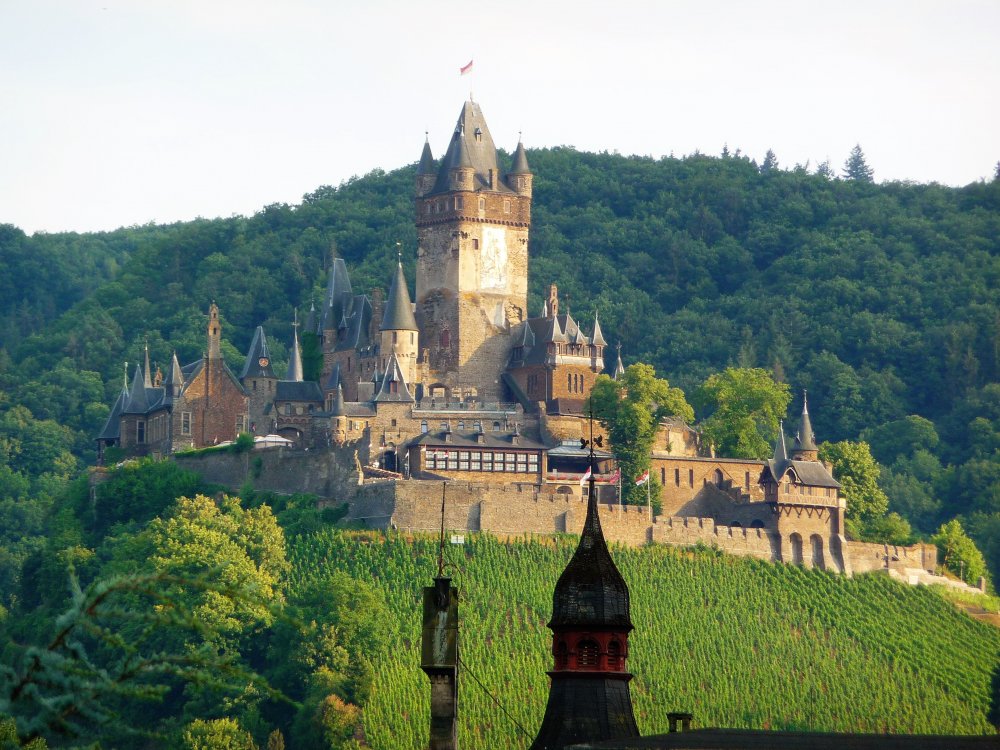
(770, 162)
(856, 168)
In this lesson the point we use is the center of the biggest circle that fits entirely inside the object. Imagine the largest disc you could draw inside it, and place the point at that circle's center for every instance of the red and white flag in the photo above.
(585, 477)
(613, 479)
(465, 69)
(643, 479)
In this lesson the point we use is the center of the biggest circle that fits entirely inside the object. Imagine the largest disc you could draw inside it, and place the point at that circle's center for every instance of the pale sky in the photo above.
(122, 112)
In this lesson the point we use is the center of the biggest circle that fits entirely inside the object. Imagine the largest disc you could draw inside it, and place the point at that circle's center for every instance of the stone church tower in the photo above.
(472, 258)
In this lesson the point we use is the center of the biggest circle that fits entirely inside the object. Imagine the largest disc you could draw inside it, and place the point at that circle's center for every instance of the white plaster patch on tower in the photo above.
(493, 265)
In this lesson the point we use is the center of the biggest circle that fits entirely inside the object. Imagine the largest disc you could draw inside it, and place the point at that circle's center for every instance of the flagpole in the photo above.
(619, 489)
(649, 503)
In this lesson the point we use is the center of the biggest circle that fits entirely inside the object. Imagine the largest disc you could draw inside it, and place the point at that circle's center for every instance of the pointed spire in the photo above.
(426, 165)
(334, 379)
(175, 378)
(295, 359)
(805, 440)
(339, 409)
(393, 386)
(147, 373)
(780, 450)
(112, 426)
(598, 338)
(310, 324)
(398, 314)
(258, 362)
(138, 402)
(619, 367)
(520, 160)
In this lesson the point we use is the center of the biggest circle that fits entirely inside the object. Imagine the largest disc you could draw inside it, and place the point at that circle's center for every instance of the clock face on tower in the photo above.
(493, 262)
(263, 361)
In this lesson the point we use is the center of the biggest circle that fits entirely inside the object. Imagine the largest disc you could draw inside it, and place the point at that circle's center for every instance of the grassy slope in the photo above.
(739, 642)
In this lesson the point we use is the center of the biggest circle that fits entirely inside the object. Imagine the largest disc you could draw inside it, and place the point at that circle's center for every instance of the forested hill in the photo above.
(880, 299)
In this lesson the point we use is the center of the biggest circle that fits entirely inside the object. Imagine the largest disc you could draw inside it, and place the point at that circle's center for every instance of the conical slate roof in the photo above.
(295, 359)
(138, 402)
(338, 296)
(426, 165)
(805, 440)
(112, 427)
(398, 314)
(339, 409)
(471, 146)
(175, 378)
(598, 338)
(779, 462)
(520, 161)
(591, 592)
(258, 364)
(147, 374)
(393, 386)
(619, 367)
(334, 380)
(310, 326)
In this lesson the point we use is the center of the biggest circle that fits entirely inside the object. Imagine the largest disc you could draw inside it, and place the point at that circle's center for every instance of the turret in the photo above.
(398, 330)
(461, 170)
(338, 417)
(804, 448)
(589, 698)
(519, 178)
(259, 380)
(425, 170)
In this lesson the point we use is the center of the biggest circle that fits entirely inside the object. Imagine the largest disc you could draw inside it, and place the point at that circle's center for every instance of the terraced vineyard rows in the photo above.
(739, 642)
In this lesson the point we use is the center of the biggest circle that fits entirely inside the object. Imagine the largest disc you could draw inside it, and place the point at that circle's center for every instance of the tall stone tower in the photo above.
(472, 256)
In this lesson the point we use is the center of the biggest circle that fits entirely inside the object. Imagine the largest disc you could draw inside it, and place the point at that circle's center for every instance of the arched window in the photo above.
(586, 654)
(496, 427)
(615, 656)
(423, 426)
(461, 424)
(717, 477)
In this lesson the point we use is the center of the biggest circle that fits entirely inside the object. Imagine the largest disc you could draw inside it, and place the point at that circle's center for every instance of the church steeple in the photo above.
(589, 699)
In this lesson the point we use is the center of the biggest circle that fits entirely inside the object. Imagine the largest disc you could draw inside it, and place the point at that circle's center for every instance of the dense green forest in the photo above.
(881, 299)
(253, 622)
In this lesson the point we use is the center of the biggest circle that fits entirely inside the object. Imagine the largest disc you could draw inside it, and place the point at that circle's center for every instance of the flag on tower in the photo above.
(465, 69)
(643, 479)
(585, 477)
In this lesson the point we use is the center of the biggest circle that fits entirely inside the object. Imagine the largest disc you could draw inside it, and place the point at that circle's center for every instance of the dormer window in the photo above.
(479, 135)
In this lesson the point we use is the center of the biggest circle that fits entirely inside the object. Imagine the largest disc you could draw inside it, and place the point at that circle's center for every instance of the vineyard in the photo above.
(740, 642)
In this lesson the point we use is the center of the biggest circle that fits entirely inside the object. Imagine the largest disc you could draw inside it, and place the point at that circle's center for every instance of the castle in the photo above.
(459, 383)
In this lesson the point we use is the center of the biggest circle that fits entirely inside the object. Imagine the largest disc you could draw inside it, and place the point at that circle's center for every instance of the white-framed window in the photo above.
(140, 432)
(185, 423)
(506, 206)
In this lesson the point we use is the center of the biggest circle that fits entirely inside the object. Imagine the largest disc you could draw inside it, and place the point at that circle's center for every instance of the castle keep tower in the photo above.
(472, 256)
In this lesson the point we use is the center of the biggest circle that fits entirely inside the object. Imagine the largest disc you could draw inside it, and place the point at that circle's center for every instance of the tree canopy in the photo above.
(744, 408)
(632, 408)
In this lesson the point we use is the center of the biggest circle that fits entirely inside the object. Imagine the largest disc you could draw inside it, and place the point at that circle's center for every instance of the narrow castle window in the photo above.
(140, 432)
(185, 423)
(423, 427)
(255, 385)
(482, 204)
(663, 476)
(691, 477)
(677, 477)
(475, 244)
(506, 206)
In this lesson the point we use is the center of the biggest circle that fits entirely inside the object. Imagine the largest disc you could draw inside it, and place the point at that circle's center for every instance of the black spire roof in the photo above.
(426, 165)
(112, 427)
(805, 440)
(175, 378)
(258, 364)
(138, 402)
(471, 146)
(591, 592)
(398, 314)
(338, 409)
(520, 161)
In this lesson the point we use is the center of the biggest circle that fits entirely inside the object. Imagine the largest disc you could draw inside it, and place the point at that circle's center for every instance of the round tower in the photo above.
(398, 330)
(519, 178)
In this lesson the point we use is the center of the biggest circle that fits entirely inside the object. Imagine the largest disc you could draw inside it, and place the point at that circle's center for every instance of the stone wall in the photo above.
(865, 557)
(323, 473)
(683, 477)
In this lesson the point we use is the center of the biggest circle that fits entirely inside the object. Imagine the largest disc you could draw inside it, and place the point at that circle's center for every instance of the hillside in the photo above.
(882, 300)
(738, 642)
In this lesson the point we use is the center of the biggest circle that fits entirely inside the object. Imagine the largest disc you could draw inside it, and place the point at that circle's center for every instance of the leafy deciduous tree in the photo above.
(745, 407)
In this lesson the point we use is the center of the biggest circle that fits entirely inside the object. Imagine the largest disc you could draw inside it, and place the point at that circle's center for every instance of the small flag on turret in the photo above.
(585, 477)
(643, 479)
(465, 69)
